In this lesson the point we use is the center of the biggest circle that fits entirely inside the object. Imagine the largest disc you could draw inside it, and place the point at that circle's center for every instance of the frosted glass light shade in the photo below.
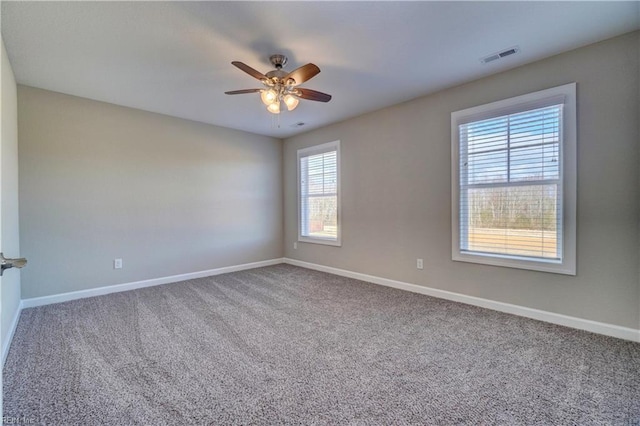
(291, 102)
(268, 96)
(274, 108)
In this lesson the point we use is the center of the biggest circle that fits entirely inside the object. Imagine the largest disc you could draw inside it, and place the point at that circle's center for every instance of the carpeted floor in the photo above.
(286, 345)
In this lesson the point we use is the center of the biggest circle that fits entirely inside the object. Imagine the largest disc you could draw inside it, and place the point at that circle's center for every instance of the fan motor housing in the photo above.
(279, 73)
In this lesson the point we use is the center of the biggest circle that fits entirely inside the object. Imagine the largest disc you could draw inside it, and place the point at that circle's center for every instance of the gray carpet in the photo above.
(286, 345)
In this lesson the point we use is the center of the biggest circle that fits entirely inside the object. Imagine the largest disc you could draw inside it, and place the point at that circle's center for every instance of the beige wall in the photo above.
(9, 202)
(168, 196)
(396, 189)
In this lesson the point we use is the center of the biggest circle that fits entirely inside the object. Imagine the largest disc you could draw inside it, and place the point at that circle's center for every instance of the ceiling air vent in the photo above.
(495, 56)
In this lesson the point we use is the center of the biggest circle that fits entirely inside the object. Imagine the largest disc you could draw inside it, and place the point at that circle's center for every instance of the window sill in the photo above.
(531, 264)
(321, 241)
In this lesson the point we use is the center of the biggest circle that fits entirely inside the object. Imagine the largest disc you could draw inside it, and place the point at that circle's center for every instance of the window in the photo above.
(319, 194)
(514, 182)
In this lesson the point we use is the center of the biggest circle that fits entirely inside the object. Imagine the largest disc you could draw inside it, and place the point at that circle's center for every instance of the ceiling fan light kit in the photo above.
(281, 86)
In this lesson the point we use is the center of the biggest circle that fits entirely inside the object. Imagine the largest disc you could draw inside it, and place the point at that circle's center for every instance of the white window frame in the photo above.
(314, 150)
(567, 264)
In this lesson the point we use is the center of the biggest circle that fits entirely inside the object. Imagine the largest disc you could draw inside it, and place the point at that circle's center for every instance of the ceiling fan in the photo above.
(280, 86)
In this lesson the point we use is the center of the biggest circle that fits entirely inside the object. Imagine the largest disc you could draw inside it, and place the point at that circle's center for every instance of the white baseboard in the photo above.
(12, 329)
(554, 318)
(81, 294)
(565, 320)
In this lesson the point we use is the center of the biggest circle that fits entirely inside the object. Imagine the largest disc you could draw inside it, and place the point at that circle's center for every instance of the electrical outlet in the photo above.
(117, 263)
(295, 246)
(419, 264)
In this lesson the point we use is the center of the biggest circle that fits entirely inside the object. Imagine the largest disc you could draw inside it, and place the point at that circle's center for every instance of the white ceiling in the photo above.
(175, 57)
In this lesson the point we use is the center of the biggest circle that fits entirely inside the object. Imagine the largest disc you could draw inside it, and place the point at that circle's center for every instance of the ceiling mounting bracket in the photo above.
(278, 61)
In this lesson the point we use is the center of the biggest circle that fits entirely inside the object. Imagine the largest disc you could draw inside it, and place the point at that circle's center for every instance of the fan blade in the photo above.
(246, 68)
(302, 74)
(313, 95)
(240, 92)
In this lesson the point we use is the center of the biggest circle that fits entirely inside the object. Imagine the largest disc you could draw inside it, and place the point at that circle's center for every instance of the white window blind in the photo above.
(319, 194)
(514, 182)
(511, 184)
